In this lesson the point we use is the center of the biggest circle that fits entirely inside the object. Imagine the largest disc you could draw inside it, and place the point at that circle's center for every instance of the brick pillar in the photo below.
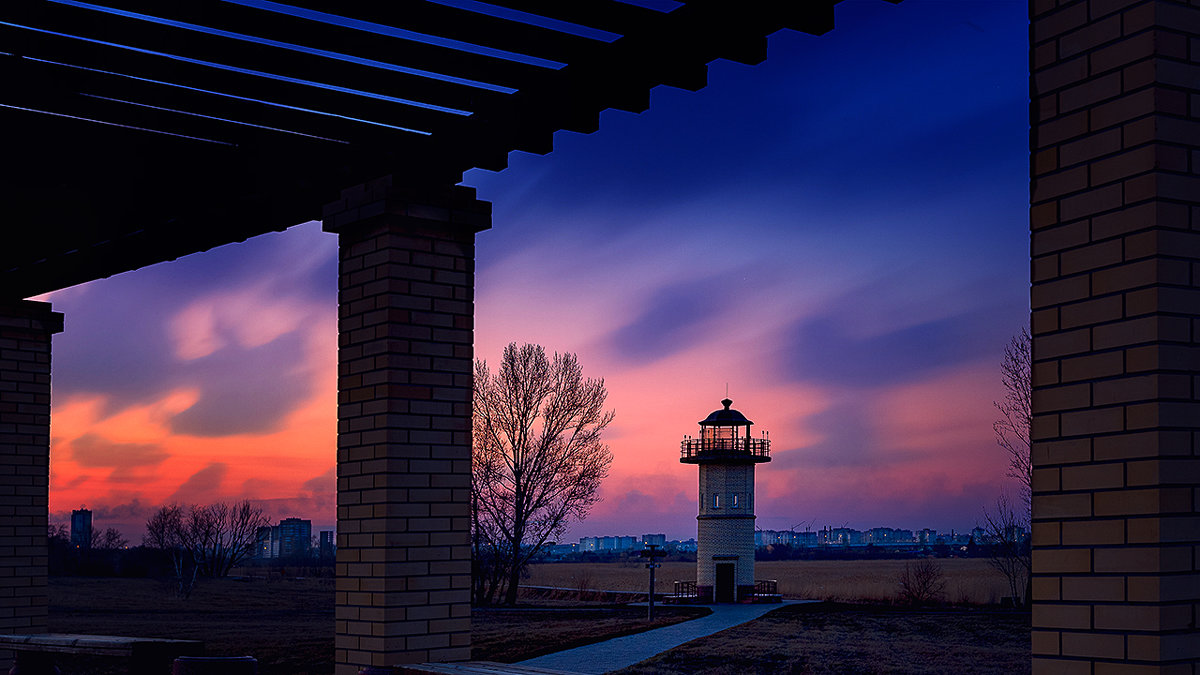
(405, 354)
(1115, 221)
(25, 330)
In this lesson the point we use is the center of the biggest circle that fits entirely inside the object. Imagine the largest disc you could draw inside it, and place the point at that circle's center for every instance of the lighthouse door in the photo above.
(725, 590)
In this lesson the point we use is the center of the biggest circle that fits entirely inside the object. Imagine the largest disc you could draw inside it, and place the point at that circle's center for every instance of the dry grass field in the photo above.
(288, 624)
(968, 580)
(515, 634)
(857, 640)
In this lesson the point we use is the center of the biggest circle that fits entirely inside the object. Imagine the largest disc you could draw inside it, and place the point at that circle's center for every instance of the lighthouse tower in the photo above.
(726, 455)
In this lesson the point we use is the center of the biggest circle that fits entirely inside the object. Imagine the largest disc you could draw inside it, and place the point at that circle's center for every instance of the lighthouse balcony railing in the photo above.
(691, 448)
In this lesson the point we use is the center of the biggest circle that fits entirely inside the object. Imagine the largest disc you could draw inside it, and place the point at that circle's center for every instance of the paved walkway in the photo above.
(625, 651)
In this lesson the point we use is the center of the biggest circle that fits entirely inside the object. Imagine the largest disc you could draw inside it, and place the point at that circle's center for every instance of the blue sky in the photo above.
(839, 234)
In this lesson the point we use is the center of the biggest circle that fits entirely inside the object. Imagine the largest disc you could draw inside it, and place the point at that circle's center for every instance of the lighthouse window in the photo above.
(718, 433)
(733, 503)
(716, 501)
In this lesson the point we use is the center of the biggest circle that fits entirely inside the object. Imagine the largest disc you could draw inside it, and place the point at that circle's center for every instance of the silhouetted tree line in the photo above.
(108, 554)
(181, 543)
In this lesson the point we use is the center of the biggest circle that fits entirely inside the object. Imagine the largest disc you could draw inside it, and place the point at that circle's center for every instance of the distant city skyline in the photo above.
(839, 233)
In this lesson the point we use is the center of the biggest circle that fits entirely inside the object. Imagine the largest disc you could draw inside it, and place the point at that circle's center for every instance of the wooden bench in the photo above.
(145, 656)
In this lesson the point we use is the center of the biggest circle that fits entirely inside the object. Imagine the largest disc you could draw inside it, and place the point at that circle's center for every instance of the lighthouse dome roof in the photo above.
(725, 417)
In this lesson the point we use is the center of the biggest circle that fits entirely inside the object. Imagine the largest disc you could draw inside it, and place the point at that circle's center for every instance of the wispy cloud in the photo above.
(851, 269)
(202, 487)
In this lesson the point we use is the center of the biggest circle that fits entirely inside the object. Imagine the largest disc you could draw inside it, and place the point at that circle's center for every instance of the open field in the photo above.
(857, 640)
(288, 625)
(515, 634)
(968, 580)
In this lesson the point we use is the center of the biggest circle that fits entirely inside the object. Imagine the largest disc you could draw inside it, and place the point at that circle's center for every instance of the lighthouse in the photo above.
(726, 455)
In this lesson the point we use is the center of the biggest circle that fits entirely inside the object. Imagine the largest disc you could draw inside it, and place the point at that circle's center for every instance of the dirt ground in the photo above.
(831, 639)
(968, 580)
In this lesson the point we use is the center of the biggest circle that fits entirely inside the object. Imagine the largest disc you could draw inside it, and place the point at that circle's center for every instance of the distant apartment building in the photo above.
(608, 544)
(616, 544)
(291, 538)
(265, 544)
(553, 550)
(785, 538)
(327, 542)
(843, 536)
(659, 540)
(81, 528)
(888, 535)
(295, 537)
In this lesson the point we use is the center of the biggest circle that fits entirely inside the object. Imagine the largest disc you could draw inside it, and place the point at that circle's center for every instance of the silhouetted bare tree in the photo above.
(1012, 429)
(1010, 552)
(110, 539)
(58, 532)
(1011, 555)
(922, 582)
(207, 540)
(538, 460)
(166, 531)
(222, 535)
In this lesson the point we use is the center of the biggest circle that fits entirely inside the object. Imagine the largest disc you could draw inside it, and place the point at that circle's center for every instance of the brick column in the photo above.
(25, 330)
(405, 354)
(1115, 221)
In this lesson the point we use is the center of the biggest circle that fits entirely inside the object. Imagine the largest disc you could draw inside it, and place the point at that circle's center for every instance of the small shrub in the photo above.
(922, 582)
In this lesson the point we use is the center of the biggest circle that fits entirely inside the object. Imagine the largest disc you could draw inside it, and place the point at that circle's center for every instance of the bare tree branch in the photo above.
(1011, 555)
(1006, 523)
(1012, 429)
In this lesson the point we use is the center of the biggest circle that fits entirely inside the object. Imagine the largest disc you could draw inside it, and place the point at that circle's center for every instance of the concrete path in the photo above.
(623, 652)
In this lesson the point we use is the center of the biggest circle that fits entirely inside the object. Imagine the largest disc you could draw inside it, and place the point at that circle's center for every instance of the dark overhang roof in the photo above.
(137, 131)
(725, 417)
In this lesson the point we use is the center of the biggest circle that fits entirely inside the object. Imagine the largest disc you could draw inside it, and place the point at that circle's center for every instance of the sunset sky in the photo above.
(838, 234)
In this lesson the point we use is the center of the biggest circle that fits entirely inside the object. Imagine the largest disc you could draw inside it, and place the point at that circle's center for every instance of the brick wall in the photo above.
(25, 330)
(1115, 220)
(406, 313)
(724, 530)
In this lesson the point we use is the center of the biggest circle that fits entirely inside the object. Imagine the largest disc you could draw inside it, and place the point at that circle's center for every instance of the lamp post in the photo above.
(652, 553)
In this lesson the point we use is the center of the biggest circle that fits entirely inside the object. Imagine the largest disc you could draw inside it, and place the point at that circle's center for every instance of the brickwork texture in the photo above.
(724, 530)
(25, 330)
(1115, 222)
(406, 286)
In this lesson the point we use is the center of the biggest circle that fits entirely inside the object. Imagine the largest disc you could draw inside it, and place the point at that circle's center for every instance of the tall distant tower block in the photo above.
(726, 455)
